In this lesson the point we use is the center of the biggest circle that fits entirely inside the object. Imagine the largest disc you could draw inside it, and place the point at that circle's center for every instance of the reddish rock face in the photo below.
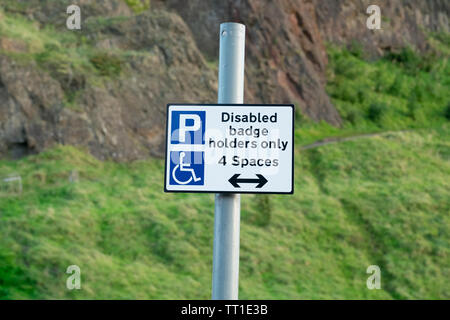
(176, 45)
(285, 52)
(286, 56)
(404, 22)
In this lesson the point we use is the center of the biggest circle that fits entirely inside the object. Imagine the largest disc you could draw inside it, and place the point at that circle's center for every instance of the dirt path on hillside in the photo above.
(331, 140)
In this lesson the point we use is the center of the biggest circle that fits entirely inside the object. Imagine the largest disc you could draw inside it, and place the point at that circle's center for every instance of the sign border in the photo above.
(230, 105)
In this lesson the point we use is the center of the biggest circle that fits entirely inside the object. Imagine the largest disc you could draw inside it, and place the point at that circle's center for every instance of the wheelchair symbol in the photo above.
(184, 167)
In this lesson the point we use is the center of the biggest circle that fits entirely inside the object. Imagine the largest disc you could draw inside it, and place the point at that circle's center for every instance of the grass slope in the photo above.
(399, 91)
(382, 200)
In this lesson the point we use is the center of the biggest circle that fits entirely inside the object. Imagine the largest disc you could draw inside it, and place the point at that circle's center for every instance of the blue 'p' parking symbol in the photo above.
(188, 127)
(187, 168)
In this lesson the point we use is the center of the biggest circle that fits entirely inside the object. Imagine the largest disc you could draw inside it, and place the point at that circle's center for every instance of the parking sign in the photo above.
(229, 148)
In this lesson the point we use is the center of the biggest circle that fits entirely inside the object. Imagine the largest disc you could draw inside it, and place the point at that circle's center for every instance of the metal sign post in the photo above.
(227, 211)
(228, 149)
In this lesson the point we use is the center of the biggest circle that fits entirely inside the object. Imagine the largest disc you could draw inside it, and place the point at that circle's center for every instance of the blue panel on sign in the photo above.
(187, 168)
(188, 127)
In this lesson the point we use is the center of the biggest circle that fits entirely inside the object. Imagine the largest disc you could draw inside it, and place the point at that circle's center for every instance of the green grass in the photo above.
(381, 200)
(398, 92)
(138, 6)
(402, 90)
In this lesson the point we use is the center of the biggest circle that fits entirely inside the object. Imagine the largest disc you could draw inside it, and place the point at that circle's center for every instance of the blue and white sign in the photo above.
(187, 168)
(188, 127)
(229, 148)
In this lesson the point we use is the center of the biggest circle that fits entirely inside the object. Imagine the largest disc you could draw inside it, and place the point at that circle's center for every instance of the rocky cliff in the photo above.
(132, 64)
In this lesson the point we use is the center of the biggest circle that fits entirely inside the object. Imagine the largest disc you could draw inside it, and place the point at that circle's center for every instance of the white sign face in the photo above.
(229, 148)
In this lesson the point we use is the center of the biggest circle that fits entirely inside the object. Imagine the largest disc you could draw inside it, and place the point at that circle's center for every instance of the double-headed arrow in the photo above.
(261, 181)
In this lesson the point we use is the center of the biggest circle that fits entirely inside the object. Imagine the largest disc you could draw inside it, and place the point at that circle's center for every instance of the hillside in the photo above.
(372, 152)
(380, 201)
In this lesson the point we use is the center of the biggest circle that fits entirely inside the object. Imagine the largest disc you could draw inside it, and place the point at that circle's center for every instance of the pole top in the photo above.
(232, 29)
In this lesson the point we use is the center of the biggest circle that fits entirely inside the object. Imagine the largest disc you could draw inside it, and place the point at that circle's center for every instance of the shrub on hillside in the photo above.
(346, 67)
(411, 61)
(107, 64)
(376, 111)
(396, 88)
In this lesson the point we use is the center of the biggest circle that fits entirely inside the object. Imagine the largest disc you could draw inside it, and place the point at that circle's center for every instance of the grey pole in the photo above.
(227, 212)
